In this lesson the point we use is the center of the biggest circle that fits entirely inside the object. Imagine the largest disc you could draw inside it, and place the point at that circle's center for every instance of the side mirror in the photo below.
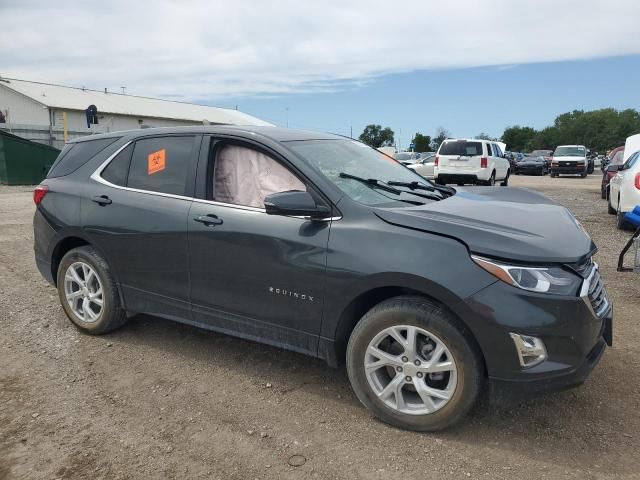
(613, 168)
(294, 203)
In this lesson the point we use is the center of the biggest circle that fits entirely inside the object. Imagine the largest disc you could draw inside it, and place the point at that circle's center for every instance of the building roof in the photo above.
(73, 98)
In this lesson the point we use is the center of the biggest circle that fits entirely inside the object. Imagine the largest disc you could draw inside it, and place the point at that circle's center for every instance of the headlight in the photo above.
(553, 280)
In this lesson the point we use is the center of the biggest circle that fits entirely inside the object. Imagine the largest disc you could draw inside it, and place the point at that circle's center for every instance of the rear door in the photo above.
(135, 211)
(502, 164)
(256, 275)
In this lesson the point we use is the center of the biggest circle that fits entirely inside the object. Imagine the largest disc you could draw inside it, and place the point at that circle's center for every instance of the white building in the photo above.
(45, 113)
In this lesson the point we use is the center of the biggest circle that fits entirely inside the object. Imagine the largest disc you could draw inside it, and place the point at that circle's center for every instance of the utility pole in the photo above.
(351, 134)
(287, 114)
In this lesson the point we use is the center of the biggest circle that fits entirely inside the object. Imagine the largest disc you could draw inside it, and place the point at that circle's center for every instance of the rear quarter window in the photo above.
(74, 155)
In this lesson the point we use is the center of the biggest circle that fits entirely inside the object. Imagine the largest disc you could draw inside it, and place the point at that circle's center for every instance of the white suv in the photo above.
(471, 161)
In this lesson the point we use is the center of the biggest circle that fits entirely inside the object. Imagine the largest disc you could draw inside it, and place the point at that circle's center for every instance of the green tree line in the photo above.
(598, 130)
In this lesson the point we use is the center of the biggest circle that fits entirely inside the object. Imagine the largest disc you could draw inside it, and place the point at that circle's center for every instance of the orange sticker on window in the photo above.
(155, 161)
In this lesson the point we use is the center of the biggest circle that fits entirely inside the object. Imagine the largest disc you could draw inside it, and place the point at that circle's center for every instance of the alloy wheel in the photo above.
(410, 370)
(83, 292)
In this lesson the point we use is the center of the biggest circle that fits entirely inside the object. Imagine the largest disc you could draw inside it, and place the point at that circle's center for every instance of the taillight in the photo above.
(38, 193)
(638, 181)
(483, 162)
(437, 160)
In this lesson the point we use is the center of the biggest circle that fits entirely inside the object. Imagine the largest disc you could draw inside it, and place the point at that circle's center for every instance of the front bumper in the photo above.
(574, 329)
(569, 170)
(526, 169)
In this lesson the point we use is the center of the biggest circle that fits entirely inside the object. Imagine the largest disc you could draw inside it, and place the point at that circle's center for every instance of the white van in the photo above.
(478, 162)
(569, 160)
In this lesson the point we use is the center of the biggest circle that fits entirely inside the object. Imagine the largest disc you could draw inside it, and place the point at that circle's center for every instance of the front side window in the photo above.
(161, 164)
(245, 176)
(339, 159)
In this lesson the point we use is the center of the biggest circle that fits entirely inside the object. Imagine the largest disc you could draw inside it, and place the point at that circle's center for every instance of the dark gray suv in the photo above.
(322, 245)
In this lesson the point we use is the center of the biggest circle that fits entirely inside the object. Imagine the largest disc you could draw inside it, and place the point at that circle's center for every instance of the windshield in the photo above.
(618, 158)
(404, 156)
(333, 157)
(570, 152)
(461, 147)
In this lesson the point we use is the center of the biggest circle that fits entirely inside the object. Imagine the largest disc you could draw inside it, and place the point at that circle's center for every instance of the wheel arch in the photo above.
(366, 300)
(61, 248)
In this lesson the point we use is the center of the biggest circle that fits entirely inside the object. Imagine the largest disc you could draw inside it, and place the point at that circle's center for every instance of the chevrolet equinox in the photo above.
(319, 244)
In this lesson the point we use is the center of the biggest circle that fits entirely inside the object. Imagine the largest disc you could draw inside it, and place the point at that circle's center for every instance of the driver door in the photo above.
(252, 274)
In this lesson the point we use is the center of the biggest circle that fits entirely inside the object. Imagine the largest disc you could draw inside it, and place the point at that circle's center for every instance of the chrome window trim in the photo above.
(97, 177)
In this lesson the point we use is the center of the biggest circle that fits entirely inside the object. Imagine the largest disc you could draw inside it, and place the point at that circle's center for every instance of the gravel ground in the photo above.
(162, 400)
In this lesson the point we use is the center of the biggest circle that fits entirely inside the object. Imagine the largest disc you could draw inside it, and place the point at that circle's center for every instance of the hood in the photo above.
(504, 223)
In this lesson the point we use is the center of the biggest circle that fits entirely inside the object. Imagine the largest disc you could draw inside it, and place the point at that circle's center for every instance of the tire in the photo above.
(84, 295)
(583, 175)
(492, 179)
(553, 175)
(425, 316)
(603, 194)
(621, 223)
(610, 209)
(505, 182)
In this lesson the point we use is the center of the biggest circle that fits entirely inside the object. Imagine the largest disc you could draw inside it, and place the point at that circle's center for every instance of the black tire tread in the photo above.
(439, 317)
(114, 315)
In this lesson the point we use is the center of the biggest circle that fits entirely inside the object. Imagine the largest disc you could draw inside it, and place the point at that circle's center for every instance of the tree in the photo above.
(517, 137)
(485, 136)
(375, 136)
(421, 142)
(441, 135)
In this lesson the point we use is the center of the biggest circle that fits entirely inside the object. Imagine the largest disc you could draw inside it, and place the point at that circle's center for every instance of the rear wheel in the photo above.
(621, 223)
(412, 367)
(505, 182)
(492, 179)
(610, 209)
(88, 292)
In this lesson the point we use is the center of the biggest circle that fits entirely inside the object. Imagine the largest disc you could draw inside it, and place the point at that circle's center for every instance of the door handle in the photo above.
(102, 200)
(209, 220)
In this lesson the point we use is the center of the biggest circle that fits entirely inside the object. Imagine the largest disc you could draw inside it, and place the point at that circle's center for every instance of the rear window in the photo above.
(461, 147)
(74, 155)
(161, 164)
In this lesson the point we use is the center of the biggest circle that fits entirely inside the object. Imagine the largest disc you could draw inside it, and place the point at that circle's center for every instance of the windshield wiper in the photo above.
(372, 182)
(419, 186)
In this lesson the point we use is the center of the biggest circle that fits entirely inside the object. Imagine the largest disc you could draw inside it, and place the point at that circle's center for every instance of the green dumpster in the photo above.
(23, 162)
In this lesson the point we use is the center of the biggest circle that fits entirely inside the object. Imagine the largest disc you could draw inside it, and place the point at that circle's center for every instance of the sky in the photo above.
(470, 66)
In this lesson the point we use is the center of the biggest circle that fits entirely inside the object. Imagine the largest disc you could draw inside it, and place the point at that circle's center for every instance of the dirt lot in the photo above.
(162, 400)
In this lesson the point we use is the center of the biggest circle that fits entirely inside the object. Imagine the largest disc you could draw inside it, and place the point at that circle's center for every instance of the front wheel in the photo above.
(412, 366)
(88, 292)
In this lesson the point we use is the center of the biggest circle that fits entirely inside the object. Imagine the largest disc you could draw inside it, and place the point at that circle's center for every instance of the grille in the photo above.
(597, 293)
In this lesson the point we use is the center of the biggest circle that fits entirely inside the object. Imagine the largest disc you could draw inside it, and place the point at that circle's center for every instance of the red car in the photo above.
(615, 160)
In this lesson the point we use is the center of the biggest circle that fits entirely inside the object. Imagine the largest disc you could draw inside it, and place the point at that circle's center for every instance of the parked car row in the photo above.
(621, 180)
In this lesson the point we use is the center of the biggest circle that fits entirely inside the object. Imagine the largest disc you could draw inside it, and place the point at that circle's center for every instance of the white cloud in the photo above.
(199, 49)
